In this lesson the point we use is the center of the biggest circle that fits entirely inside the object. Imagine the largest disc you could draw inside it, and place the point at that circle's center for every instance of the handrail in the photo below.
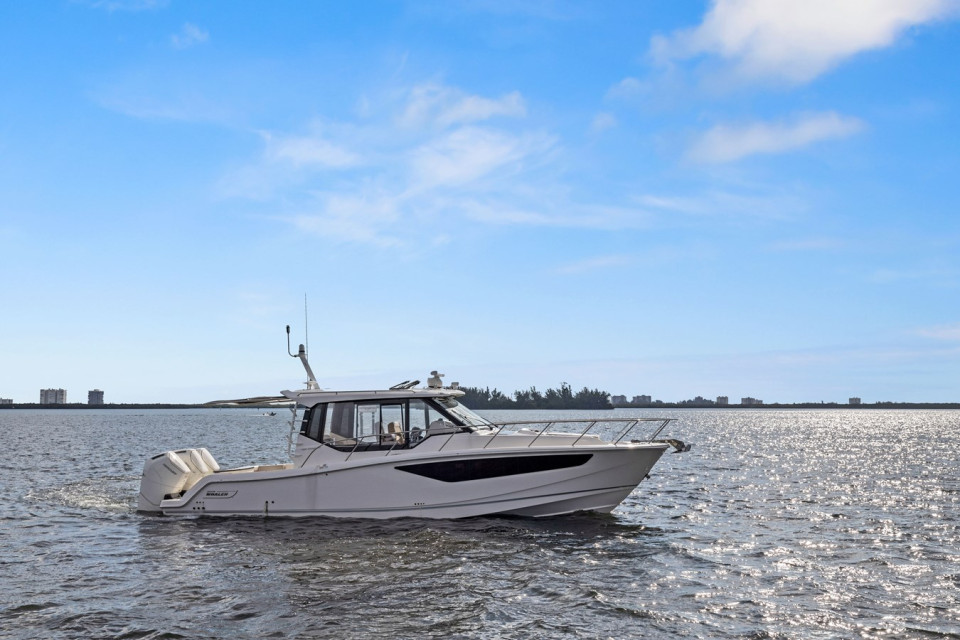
(548, 430)
(631, 423)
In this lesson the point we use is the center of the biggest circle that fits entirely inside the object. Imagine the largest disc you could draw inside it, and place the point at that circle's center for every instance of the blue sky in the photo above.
(743, 198)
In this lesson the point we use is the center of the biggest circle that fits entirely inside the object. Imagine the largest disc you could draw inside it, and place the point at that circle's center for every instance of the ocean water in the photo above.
(778, 524)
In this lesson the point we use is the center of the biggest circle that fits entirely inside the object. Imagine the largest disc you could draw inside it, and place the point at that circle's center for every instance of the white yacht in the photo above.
(412, 452)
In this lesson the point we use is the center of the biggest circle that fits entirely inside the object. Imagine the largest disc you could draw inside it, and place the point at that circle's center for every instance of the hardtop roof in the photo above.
(310, 397)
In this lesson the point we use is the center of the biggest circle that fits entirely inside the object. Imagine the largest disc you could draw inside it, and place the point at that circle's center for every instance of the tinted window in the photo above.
(341, 417)
(464, 470)
(312, 425)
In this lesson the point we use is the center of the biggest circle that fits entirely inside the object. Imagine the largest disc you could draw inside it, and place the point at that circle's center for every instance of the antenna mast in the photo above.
(306, 324)
(302, 354)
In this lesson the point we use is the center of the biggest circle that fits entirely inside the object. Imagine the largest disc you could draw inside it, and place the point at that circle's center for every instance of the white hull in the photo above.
(372, 486)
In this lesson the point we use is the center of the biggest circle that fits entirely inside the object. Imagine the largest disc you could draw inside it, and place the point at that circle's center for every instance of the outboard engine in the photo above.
(172, 473)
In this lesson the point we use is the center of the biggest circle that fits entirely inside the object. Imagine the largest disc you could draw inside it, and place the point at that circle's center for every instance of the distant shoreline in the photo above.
(663, 405)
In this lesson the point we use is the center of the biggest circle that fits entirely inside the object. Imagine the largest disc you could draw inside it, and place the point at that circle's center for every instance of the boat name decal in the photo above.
(220, 494)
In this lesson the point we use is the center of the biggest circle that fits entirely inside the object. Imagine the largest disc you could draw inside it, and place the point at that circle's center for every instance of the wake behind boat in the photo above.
(412, 452)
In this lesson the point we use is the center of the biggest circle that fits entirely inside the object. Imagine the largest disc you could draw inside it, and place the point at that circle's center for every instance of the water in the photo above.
(778, 524)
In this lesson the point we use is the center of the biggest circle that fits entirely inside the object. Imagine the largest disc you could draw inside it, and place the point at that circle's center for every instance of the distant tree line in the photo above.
(562, 398)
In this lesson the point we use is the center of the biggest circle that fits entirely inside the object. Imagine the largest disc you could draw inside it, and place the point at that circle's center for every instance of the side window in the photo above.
(392, 413)
(422, 415)
(371, 425)
(368, 420)
(377, 420)
(393, 424)
(305, 422)
(313, 423)
(340, 420)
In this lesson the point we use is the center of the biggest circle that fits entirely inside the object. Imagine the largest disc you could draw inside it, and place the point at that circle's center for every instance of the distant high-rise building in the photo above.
(723, 401)
(53, 396)
(750, 402)
(95, 397)
(854, 400)
(618, 400)
(5, 401)
(642, 399)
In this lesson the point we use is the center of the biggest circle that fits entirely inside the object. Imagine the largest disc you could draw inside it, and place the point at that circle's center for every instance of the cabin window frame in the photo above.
(323, 414)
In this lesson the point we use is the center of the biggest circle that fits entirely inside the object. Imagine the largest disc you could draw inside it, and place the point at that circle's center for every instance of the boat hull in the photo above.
(518, 482)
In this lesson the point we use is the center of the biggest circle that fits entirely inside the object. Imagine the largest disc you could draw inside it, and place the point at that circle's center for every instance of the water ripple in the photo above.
(778, 524)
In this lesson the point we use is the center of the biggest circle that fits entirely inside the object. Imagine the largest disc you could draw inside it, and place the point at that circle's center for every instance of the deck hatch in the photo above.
(481, 468)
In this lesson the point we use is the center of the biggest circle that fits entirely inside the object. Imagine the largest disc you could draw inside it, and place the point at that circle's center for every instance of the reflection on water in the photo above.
(778, 524)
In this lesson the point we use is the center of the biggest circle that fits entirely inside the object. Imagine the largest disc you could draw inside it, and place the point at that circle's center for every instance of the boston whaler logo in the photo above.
(219, 494)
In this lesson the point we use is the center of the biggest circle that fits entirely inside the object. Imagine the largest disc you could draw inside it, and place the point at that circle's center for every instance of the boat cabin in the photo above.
(382, 421)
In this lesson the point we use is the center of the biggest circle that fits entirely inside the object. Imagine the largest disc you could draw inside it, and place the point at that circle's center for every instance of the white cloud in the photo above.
(305, 151)
(926, 274)
(757, 204)
(808, 244)
(440, 164)
(188, 36)
(796, 41)
(603, 121)
(432, 104)
(143, 102)
(502, 213)
(626, 88)
(288, 160)
(126, 5)
(594, 264)
(470, 153)
(949, 332)
(726, 143)
(363, 218)
(546, 213)
(453, 165)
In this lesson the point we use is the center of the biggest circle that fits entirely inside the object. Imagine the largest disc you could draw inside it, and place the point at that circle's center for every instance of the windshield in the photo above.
(465, 415)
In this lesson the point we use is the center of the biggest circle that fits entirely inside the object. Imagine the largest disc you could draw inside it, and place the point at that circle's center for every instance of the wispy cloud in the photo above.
(595, 264)
(530, 210)
(188, 36)
(438, 105)
(928, 274)
(727, 143)
(447, 159)
(308, 151)
(145, 103)
(470, 153)
(807, 244)
(364, 218)
(947, 332)
(126, 5)
(794, 42)
(755, 204)
(626, 88)
(457, 156)
(602, 122)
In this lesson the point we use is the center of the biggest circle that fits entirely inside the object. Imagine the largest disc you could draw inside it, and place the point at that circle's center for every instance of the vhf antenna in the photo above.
(302, 354)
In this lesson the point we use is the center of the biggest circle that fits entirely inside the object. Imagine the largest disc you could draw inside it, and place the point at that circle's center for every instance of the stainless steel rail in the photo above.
(550, 428)
(631, 424)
